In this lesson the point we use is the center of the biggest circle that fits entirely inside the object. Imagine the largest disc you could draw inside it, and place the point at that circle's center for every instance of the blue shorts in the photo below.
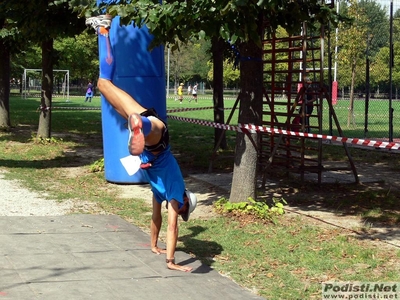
(165, 176)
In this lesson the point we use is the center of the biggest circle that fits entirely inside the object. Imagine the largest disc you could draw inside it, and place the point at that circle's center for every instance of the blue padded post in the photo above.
(141, 73)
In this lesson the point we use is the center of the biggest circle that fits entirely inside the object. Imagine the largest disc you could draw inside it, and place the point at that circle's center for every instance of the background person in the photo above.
(180, 93)
(308, 97)
(194, 92)
(89, 92)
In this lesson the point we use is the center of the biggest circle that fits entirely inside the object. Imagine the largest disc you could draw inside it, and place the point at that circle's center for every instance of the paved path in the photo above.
(97, 257)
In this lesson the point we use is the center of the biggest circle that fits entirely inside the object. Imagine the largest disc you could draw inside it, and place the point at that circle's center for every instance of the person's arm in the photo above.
(172, 238)
(155, 227)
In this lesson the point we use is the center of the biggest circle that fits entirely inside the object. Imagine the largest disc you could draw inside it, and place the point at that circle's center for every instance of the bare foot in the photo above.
(158, 251)
(173, 266)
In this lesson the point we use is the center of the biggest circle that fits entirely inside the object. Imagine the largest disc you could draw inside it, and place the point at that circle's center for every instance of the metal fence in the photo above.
(376, 107)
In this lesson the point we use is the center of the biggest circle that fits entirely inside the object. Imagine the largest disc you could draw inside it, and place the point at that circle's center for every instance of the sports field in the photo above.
(378, 114)
(377, 126)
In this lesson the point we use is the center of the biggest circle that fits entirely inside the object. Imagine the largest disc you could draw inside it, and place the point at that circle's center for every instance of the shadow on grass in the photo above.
(204, 250)
(78, 149)
(19, 134)
(376, 204)
(349, 199)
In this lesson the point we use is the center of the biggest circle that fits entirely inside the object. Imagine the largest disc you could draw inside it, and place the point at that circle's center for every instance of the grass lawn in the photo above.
(286, 260)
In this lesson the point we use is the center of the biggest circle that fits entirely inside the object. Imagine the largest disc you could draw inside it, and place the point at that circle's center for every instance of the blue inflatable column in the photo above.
(140, 73)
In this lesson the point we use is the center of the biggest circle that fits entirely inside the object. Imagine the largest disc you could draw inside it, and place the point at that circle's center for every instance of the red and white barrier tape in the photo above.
(99, 108)
(75, 108)
(253, 129)
(342, 139)
(188, 109)
(205, 123)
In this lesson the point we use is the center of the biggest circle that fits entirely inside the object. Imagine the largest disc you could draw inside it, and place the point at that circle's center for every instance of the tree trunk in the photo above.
(218, 91)
(4, 83)
(44, 130)
(250, 111)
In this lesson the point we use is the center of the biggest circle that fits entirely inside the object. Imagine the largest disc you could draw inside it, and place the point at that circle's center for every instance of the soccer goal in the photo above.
(32, 84)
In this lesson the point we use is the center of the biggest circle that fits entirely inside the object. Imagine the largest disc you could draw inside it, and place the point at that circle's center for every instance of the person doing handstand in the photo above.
(149, 139)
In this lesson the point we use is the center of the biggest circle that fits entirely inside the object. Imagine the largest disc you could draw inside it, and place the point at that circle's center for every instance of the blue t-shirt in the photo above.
(165, 176)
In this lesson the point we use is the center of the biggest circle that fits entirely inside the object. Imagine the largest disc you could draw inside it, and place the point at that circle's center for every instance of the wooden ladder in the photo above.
(288, 61)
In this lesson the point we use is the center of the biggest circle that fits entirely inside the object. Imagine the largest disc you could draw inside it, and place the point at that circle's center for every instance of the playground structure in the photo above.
(288, 61)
